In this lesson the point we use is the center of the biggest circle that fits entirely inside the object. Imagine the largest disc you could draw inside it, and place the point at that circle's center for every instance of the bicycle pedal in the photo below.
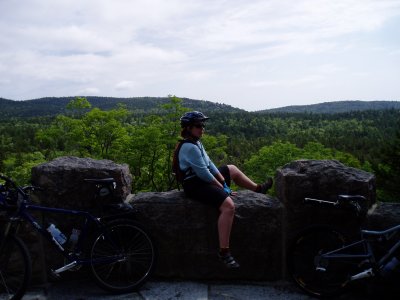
(364, 274)
(69, 266)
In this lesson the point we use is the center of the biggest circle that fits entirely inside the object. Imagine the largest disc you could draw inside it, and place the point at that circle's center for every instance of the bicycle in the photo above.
(120, 252)
(323, 262)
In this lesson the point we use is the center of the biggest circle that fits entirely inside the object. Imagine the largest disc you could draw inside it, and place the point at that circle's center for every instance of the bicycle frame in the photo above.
(367, 253)
(72, 258)
(118, 264)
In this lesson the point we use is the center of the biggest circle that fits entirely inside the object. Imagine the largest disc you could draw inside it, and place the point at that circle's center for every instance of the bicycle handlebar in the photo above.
(12, 183)
(12, 200)
(351, 202)
(322, 201)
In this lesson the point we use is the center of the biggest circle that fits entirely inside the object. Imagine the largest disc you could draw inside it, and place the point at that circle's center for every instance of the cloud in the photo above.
(395, 52)
(201, 48)
(125, 85)
(89, 91)
(287, 83)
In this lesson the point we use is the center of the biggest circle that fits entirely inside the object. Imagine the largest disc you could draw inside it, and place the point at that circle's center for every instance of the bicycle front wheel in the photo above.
(122, 256)
(320, 278)
(15, 268)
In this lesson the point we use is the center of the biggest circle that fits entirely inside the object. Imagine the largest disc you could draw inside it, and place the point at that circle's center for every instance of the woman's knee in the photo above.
(228, 206)
(233, 170)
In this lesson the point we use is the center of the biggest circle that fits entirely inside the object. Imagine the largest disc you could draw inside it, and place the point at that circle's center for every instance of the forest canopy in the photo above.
(259, 143)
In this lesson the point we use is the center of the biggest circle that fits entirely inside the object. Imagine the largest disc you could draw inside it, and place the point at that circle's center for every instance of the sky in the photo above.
(249, 54)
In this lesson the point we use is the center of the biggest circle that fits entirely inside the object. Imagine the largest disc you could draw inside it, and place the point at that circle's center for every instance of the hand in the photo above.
(227, 189)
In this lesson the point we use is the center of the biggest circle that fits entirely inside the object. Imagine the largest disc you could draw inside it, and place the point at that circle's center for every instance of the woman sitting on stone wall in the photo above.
(202, 181)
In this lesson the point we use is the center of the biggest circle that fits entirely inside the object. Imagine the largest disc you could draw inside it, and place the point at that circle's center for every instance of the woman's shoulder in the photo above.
(189, 145)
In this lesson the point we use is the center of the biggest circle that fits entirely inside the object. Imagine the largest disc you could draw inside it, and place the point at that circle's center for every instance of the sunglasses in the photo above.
(200, 125)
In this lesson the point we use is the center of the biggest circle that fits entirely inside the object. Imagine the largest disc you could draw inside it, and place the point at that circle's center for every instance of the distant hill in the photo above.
(52, 106)
(336, 107)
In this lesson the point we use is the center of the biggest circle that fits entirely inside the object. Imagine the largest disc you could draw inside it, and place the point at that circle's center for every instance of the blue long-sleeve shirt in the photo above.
(193, 160)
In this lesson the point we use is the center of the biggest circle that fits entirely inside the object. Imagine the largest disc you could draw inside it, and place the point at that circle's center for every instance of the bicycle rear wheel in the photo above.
(303, 258)
(122, 256)
(15, 268)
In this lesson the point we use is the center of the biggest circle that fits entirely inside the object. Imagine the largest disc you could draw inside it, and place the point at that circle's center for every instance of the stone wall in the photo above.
(185, 231)
(321, 179)
(187, 240)
(63, 181)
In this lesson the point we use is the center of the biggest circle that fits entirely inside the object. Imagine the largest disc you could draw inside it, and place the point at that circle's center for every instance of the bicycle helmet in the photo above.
(192, 117)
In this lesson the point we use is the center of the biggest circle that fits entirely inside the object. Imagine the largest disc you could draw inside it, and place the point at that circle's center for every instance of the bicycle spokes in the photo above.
(122, 257)
(15, 269)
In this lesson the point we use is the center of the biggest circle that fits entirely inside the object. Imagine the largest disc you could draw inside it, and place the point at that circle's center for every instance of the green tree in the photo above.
(270, 158)
(78, 106)
(145, 157)
(51, 141)
(18, 166)
(216, 148)
(151, 146)
(103, 131)
(389, 170)
(5, 145)
(98, 133)
(170, 129)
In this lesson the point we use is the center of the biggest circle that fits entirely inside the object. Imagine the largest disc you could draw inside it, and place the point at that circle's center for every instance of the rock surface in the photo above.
(185, 231)
(186, 235)
(321, 179)
(64, 187)
(63, 181)
(383, 216)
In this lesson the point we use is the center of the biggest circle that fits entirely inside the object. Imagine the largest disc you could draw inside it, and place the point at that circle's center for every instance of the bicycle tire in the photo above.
(15, 268)
(122, 257)
(302, 256)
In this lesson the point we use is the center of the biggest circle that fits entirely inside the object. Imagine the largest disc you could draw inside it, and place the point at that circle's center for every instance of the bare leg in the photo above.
(241, 179)
(225, 222)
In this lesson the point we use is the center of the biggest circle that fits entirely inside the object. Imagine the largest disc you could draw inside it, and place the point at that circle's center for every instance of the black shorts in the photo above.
(206, 192)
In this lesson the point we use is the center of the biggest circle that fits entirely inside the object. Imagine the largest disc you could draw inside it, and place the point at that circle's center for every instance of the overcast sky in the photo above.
(247, 53)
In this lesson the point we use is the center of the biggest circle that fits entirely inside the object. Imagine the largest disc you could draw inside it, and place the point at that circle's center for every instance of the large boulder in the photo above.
(64, 187)
(321, 179)
(383, 215)
(185, 232)
(63, 180)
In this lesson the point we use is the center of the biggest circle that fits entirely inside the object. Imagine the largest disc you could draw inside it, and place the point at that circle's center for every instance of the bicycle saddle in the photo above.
(351, 197)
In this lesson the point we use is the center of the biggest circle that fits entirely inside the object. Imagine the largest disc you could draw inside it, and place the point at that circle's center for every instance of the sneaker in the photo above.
(229, 261)
(264, 187)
